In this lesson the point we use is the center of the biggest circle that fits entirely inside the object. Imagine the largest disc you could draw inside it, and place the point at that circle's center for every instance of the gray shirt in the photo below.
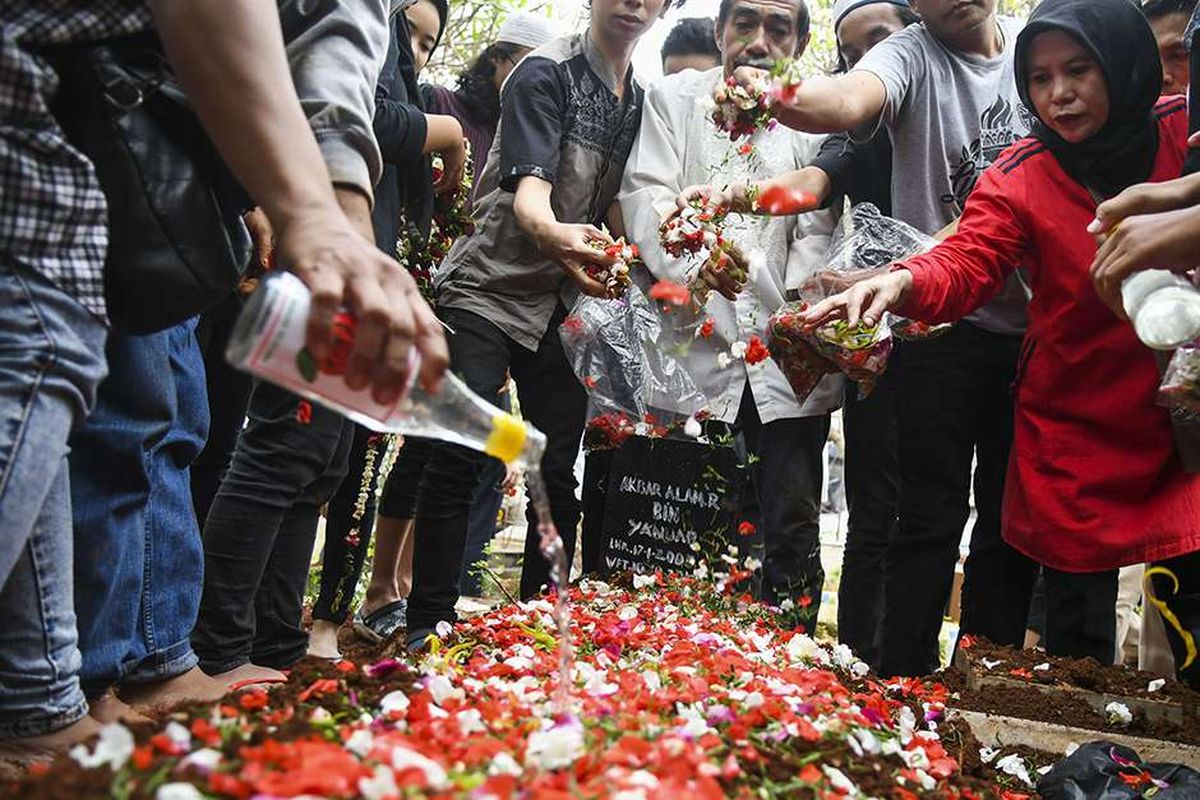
(950, 114)
(560, 121)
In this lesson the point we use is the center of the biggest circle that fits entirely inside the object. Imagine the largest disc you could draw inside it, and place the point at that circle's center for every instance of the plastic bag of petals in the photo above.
(1180, 388)
(634, 387)
(805, 357)
(866, 248)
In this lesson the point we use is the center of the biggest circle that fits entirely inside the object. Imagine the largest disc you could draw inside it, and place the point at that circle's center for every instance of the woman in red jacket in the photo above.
(1094, 481)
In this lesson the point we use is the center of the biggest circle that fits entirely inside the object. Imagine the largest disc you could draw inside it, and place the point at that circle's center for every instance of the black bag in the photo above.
(177, 244)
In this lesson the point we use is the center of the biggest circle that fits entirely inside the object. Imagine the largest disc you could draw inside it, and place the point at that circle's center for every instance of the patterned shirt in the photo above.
(561, 120)
(52, 211)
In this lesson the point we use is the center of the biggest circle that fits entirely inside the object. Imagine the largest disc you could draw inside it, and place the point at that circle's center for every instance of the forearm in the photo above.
(532, 209)
(442, 132)
(811, 180)
(833, 105)
(221, 43)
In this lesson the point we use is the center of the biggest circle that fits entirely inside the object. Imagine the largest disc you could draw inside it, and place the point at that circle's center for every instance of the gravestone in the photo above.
(666, 496)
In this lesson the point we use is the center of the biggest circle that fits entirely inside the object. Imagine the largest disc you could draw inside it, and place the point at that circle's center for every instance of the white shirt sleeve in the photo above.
(653, 180)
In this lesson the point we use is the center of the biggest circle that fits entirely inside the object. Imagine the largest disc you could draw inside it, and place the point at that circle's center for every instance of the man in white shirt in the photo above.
(678, 146)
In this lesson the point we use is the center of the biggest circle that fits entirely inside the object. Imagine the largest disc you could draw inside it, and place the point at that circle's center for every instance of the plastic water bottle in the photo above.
(1164, 308)
(268, 342)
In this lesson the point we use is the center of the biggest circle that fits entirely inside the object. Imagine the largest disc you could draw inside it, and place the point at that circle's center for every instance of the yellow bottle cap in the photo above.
(507, 438)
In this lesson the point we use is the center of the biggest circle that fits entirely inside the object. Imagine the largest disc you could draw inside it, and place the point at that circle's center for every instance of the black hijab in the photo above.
(1121, 153)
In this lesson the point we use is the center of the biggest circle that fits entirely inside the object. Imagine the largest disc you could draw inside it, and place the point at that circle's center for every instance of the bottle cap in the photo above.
(507, 439)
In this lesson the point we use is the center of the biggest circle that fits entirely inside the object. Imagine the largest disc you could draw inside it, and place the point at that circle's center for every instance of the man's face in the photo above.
(954, 19)
(626, 20)
(865, 27)
(758, 33)
(1168, 30)
(697, 61)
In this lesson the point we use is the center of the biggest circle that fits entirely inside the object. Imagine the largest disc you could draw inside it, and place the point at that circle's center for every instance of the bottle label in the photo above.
(278, 353)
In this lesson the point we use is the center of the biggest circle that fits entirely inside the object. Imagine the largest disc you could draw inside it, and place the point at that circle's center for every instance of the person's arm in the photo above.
(833, 105)
(958, 276)
(566, 244)
(229, 56)
(335, 52)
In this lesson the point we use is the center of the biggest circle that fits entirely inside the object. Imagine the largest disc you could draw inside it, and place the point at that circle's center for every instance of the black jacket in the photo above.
(405, 191)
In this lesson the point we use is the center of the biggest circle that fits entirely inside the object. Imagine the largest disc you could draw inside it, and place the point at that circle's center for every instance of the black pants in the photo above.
(955, 403)
(873, 500)
(258, 538)
(553, 400)
(1081, 620)
(228, 396)
(347, 532)
(786, 477)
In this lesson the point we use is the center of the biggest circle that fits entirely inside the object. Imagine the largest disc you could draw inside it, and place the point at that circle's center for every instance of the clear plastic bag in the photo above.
(635, 386)
(866, 248)
(861, 353)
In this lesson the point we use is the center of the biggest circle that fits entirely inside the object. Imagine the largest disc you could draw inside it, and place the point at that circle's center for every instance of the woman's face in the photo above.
(424, 27)
(1067, 86)
(506, 64)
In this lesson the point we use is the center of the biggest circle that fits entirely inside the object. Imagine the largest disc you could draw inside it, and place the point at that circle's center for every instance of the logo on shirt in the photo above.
(995, 135)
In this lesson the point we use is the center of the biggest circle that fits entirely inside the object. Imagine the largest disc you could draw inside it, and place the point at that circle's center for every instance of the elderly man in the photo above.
(677, 146)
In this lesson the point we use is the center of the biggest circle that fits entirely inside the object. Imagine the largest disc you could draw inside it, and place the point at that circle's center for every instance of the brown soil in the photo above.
(1015, 701)
(1082, 673)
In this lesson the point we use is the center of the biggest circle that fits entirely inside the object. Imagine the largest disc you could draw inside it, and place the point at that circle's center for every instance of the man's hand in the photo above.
(454, 165)
(721, 197)
(752, 79)
(568, 246)
(865, 301)
(332, 253)
(723, 270)
(1167, 240)
(1146, 198)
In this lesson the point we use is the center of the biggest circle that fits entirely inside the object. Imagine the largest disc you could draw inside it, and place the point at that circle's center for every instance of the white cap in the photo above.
(526, 29)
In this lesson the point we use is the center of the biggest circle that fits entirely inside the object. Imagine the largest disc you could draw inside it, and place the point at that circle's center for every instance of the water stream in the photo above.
(552, 549)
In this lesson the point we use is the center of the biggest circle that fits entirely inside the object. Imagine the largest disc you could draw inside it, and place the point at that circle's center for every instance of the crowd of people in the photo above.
(159, 509)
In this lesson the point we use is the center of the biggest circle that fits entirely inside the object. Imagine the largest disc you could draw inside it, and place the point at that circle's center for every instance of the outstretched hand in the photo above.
(865, 301)
(570, 246)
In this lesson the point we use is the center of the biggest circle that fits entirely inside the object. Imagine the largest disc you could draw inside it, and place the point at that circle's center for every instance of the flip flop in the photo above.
(380, 624)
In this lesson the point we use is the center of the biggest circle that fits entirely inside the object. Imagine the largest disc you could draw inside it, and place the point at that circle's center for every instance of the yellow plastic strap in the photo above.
(1168, 616)
(507, 438)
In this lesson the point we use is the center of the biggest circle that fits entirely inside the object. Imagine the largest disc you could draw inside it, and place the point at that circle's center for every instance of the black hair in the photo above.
(477, 83)
(803, 20)
(907, 17)
(691, 37)
(1155, 9)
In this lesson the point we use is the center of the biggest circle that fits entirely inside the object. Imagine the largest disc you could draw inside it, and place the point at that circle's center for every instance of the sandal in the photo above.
(380, 624)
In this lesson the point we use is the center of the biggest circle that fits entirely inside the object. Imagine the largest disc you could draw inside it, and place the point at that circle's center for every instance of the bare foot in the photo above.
(16, 755)
(247, 675)
(192, 686)
(109, 708)
(322, 640)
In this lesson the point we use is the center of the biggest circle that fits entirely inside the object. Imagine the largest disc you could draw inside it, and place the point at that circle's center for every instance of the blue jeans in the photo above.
(51, 361)
(139, 566)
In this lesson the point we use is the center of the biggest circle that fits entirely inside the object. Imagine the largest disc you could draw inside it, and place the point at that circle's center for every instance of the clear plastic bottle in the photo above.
(268, 341)
(1164, 308)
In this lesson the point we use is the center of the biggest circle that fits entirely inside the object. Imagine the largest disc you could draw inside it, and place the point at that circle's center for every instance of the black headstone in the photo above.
(664, 497)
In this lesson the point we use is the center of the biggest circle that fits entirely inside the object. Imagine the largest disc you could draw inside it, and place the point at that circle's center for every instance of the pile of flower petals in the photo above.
(679, 692)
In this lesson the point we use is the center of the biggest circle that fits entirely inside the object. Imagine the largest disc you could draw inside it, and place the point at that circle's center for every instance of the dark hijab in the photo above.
(1121, 153)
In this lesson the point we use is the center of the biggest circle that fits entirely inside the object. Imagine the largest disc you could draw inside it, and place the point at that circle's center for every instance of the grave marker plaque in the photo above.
(664, 496)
